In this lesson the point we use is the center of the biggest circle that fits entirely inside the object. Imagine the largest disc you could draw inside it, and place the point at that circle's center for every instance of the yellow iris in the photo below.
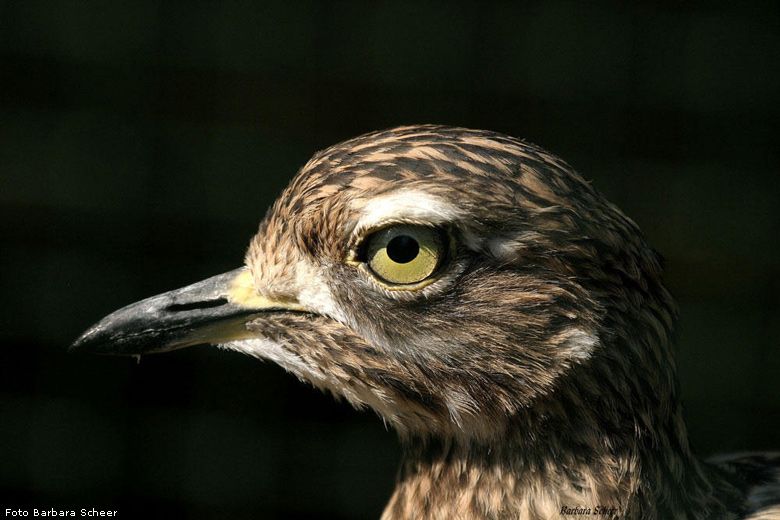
(404, 254)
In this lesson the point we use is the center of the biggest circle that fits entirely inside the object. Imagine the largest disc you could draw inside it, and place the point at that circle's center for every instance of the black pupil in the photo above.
(403, 249)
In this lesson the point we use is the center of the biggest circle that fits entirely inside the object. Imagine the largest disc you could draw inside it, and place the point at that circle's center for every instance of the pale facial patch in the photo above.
(579, 344)
(272, 351)
(356, 394)
(314, 294)
(508, 249)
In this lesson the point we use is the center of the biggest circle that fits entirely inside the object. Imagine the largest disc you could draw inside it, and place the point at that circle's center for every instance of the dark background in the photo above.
(141, 142)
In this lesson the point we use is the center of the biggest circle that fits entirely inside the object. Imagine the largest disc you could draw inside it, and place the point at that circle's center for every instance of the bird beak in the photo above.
(215, 310)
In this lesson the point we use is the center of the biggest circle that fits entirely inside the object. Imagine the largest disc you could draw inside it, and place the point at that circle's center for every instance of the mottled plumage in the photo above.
(530, 371)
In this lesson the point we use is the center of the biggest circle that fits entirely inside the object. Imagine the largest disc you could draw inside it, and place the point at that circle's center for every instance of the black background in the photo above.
(141, 142)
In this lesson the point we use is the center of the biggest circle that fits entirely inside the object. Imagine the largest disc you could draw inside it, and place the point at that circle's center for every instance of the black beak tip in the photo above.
(180, 318)
(89, 342)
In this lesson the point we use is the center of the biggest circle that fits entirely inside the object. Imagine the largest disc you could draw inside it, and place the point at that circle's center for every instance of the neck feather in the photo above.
(580, 448)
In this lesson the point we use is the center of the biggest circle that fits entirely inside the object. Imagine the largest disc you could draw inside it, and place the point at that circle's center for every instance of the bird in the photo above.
(492, 307)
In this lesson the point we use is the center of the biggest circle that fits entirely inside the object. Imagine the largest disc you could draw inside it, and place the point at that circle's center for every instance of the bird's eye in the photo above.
(404, 254)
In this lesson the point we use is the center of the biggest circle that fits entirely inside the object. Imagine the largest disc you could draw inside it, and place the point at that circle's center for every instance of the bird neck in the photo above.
(551, 474)
(574, 451)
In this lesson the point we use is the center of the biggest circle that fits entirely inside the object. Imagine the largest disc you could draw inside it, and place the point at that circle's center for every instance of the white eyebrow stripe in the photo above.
(409, 206)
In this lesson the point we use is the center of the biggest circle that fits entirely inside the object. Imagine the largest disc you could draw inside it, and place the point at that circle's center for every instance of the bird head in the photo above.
(447, 278)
